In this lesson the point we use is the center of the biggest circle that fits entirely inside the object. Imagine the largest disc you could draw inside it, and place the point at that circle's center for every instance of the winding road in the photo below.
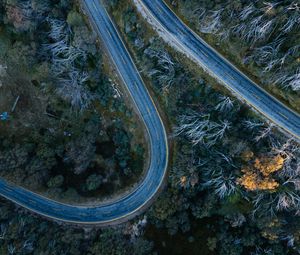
(129, 205)
(188, 42)
(192, 45)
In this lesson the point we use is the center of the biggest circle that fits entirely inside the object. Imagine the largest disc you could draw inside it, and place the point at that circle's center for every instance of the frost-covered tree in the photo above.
(198, 128)
(263, 26)
(225, 105)
(222, 184)
(71, 80)
(270, 203)
(73, 90)
(165, 73)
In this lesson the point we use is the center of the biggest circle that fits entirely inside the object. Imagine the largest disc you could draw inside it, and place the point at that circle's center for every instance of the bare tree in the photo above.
(287, 200)
(199, 129)
(225, 105)
(72, 89)
(293, 17)
(262, 251)
(211, 22)
(290, 150)
(289, 81)
(28, 246)
(71, 84)
(290, 239)
(166, 71)
(62, 52)
(258, 28)
(11, 249)
(265, 132)
(269, 203)
(247, 11)
(260, 130)
(252, 124)
(267, 55)
(223, 185)
(3, 231)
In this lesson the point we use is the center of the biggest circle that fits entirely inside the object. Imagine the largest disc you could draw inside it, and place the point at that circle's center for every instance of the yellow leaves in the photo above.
(269, 235)
(267, 166)
(186, 181)
(273, 223)
(269, 231)
(268, 184)
(251, 180)
(257, 177)
(183, 181)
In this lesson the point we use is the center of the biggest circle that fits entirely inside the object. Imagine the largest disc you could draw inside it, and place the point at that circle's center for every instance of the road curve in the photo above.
(129, 205)
(217, 66)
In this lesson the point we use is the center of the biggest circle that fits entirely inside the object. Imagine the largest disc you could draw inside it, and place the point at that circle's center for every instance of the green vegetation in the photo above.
(24, 234)
(68, 133)
(231, 172)
(234, 180)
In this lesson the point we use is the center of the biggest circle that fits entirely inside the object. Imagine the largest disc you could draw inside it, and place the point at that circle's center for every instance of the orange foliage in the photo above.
(267, 166)
(252, 181)
(186, 181)
(257, 177)
(183, 181)
(270, 230)
(269, 235)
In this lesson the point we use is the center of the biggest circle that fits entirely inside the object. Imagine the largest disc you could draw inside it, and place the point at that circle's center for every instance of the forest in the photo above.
(67, 132)
(261, 37)
(232, 171)
(233, 185)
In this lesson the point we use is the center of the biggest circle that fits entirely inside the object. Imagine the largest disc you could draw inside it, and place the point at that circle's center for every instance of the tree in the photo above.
(72, 89)
(257, 177)
(56, 181)
(223, 185)
(72, 81)
(74, 19)
(225, 105)
(93, 182)
(199, 129)
(80, 153)
(252, 181)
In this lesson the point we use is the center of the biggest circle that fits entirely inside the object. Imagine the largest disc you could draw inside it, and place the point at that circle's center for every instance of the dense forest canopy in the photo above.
(67, 131)
(233, 185)
(233, 173)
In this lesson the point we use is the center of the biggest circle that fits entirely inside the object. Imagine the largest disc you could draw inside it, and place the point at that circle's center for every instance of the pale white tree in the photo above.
(166, 67)
(225, 105)
(222, 184)
(72, 89)
(71, 84)
(198, 128)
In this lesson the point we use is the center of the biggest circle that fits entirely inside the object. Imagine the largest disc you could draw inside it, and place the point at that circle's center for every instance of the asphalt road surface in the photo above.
(220, 68)
(131, 204)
